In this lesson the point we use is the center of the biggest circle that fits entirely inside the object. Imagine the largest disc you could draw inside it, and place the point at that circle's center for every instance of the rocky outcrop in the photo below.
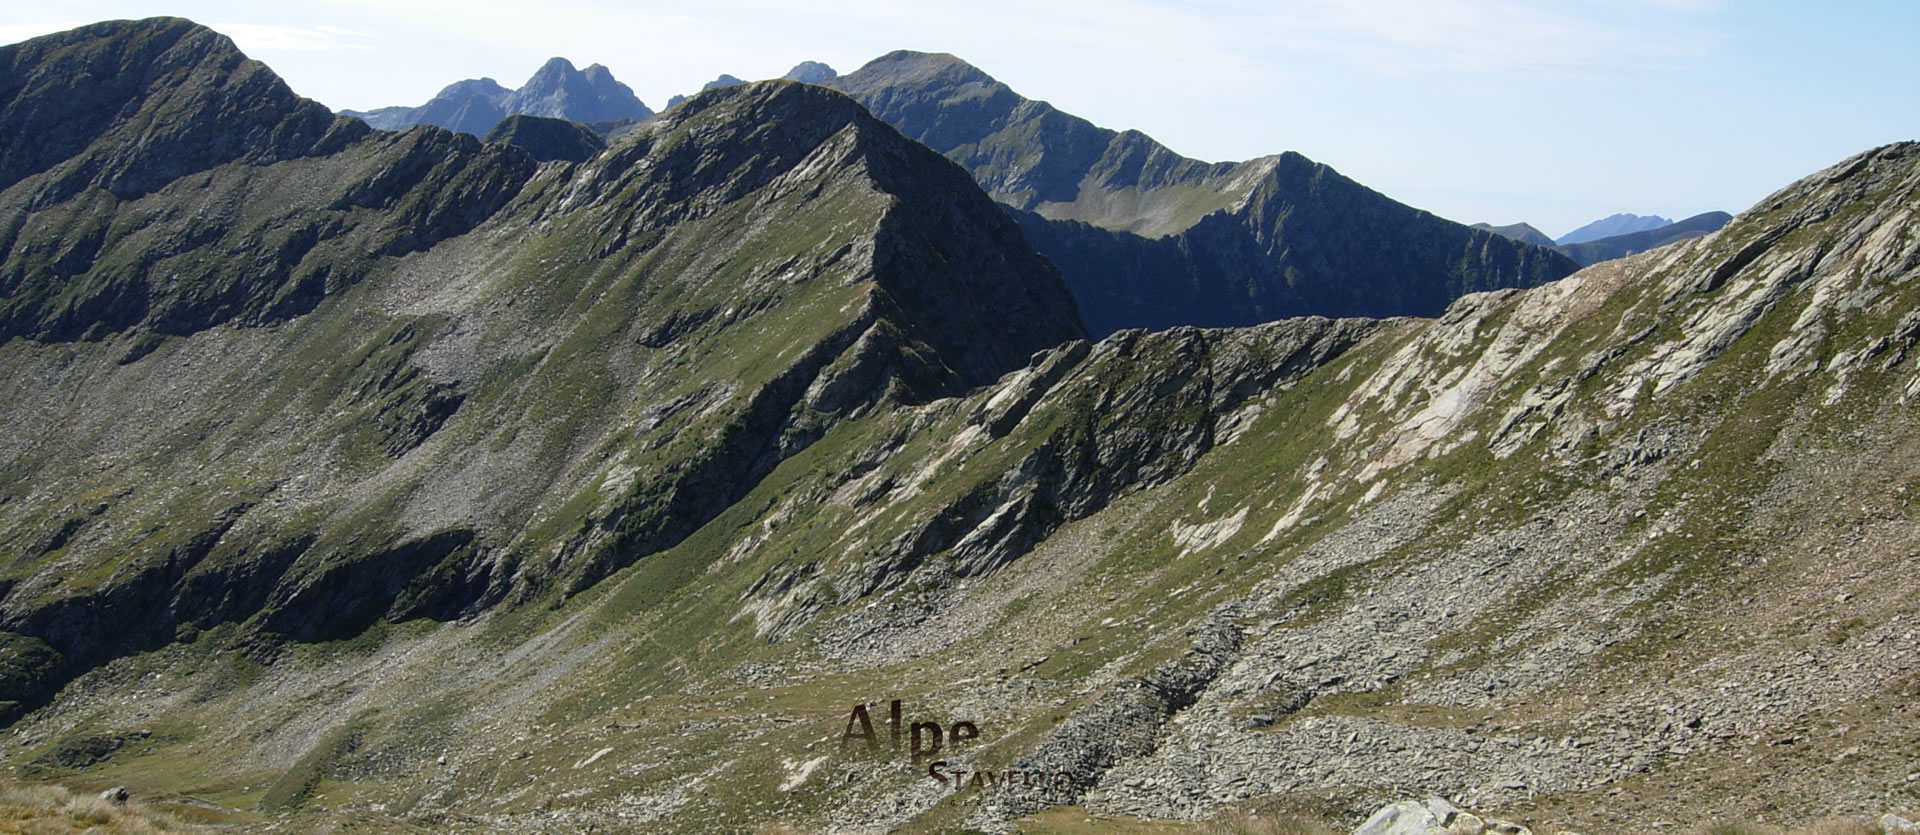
(1435, 816)
(1135, 410)
(1124, 721)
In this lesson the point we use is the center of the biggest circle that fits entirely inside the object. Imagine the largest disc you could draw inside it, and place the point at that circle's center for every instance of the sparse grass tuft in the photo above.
(1830, 826)
(52, 809)
(1250, 824)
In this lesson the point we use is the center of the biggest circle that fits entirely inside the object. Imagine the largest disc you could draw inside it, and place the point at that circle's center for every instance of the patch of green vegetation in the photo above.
(299, 781)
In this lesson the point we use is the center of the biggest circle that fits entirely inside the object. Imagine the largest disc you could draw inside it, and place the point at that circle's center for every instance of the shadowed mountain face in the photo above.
(597, 495)
(557, 90)
(1522, 232)
(1147, 238)
(548, 139)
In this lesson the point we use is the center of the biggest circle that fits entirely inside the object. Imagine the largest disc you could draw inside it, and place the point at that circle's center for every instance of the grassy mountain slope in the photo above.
(1148, 238)
(1627, 546)
(418, 376)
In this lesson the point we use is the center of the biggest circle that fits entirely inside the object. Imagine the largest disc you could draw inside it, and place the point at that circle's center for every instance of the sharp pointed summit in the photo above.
(556, 90)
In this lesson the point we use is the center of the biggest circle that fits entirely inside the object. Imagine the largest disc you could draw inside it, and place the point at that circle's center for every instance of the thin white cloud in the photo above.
(17, 32)
(1410, 37)
(268, 37)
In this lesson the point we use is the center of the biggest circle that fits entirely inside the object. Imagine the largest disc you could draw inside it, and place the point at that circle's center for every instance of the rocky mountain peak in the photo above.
(810, 72)
(550, 72)
(556, 90)
(906, 65)
(473, 87)
(186, 93)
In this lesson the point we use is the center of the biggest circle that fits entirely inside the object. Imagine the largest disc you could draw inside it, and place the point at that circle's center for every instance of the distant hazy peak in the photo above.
(556, 90)
(724, 80)
(810, 72)
(473, 87)
(1613, 225)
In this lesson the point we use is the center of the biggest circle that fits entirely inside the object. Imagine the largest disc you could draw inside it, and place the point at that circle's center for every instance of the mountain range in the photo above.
(1594, 251)
(400, 480)
(1148, 238)
(1613, 225)
(556, 90)
(1620, 246)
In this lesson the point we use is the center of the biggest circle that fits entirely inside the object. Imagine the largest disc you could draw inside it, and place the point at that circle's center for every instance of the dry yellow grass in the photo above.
(1246, 824)
(1831, 826)
(46, 809)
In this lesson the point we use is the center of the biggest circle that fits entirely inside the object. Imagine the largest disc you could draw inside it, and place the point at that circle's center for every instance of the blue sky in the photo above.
(1555, 113)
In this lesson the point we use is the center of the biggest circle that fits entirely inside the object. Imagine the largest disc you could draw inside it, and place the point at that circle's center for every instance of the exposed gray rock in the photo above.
(1434, 816)
(1407, 817)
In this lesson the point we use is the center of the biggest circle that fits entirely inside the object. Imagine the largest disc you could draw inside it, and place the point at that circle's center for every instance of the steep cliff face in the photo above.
(450, 375)
(1306, 242)
(1147, 238)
